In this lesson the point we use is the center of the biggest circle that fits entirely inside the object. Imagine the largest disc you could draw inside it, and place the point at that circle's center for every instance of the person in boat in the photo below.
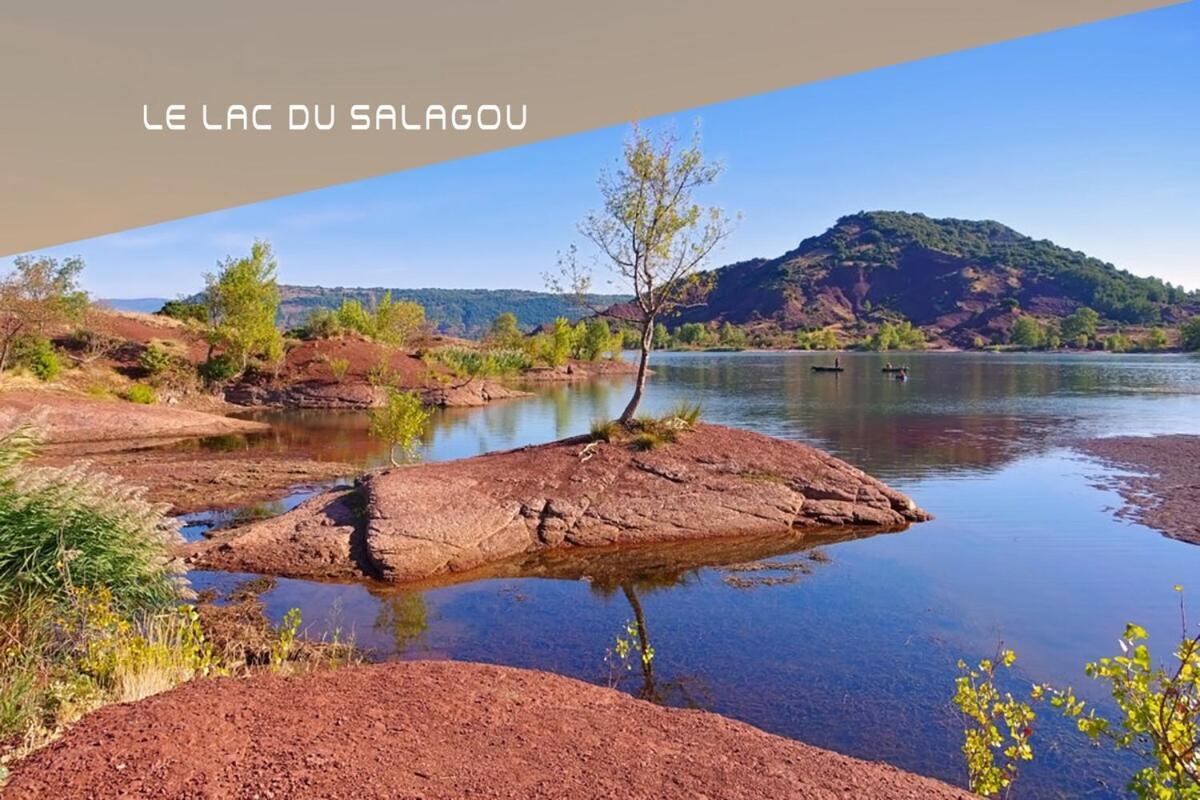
(889, 365)
(837, 362)
(902, 375)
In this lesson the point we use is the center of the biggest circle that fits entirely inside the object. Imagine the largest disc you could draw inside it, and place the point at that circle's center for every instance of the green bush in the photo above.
(1189, 334)
(140, 393)
(322, 323)
(155, 361)
(38, 355)
(218, 369)
(184, 311)
(400, 422)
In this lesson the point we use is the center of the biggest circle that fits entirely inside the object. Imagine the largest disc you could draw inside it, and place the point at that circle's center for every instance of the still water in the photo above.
(850, 644)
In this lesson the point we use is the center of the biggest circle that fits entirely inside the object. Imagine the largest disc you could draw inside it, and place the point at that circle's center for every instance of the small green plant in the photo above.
(285, 639)
(400, 422)
(474, 363)
(997, 725)
(184, 311)
(647, 440)
(140, 393)
(339, 367)
(620, 656)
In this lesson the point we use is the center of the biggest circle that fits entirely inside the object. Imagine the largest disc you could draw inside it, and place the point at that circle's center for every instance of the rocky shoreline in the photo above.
(415, 523)
(436, 729)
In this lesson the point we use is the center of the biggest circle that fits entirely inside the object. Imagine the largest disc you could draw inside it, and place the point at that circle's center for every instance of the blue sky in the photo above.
(1088, 136)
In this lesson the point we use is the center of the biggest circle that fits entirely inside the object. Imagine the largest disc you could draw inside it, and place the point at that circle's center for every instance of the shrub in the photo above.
(155, 361)
(184, 311)
(218, 369)
(400, 422)
(339, 367)
(140, 393)
(38, 356)
(504, 331)
(693, 334)
(1026, 332)
(897, 336)
(647, 440)
(1189, 334)
(322, 323)
(67, 528)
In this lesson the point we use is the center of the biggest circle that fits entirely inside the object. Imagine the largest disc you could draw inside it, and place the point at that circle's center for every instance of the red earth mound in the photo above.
(434, 729)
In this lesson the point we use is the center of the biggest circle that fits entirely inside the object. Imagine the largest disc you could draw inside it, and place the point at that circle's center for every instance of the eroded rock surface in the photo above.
(418, 522)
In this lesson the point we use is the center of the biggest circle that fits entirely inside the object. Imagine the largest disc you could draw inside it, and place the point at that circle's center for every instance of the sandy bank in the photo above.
(1166, 495)
(414, 523)
(436, 730)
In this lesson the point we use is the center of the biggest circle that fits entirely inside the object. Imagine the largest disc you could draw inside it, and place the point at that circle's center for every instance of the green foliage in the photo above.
(731, 336)
(141, 394)
(619, 657)
(1027, 332)
(1155, 339)
(505, 332)
(242, 299)
(1117, 342)
(322, 323)
(1189, 334)
(998, 726)
(593, 338)
(823, 339)
(476, 363)
(63, 528)
(1115, 293)
(897, 336)
(693, 334)
(353, 316)
(155, 361)
(40, 292)
(660, 341)
(1159, 712)
(37, 354)
(1080, 325)
(400, 422)
(460, 312)
(339, 367)
(285, 639)
(647, 440)
(555, 347)
(184, 311)
(218, 369)
(395, 322)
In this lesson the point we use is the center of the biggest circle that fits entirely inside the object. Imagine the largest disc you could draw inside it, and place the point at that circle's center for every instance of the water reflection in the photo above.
(960, 413)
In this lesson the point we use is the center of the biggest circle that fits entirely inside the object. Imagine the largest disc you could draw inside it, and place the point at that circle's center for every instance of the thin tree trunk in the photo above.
(640, 387)
(4, 354)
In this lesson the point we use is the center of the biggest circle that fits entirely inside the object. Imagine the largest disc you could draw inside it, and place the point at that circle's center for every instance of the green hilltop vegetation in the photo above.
(962, 282)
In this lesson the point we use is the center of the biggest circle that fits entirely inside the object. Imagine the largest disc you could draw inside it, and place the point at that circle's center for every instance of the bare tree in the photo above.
(653, 234)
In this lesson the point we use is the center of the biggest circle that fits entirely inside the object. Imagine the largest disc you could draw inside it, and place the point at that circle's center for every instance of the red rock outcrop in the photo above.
(414, 523)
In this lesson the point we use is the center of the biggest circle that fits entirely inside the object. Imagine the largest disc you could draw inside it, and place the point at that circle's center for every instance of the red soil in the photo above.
(436, 730)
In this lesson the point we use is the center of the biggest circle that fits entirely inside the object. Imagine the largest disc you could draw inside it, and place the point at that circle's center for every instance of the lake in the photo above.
(851, 644)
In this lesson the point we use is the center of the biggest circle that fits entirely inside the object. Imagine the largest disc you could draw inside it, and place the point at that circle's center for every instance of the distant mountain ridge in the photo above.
(960, 279)
(460, 312)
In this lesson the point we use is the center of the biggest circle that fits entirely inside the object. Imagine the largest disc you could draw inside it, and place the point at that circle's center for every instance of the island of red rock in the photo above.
(436, 730)
(427, 521)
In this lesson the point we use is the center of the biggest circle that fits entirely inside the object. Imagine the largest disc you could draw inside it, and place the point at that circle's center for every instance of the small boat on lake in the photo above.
(820, 368)
(890, 368)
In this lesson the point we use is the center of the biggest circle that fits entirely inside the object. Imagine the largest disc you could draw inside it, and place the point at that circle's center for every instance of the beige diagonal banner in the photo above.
(76, 159)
